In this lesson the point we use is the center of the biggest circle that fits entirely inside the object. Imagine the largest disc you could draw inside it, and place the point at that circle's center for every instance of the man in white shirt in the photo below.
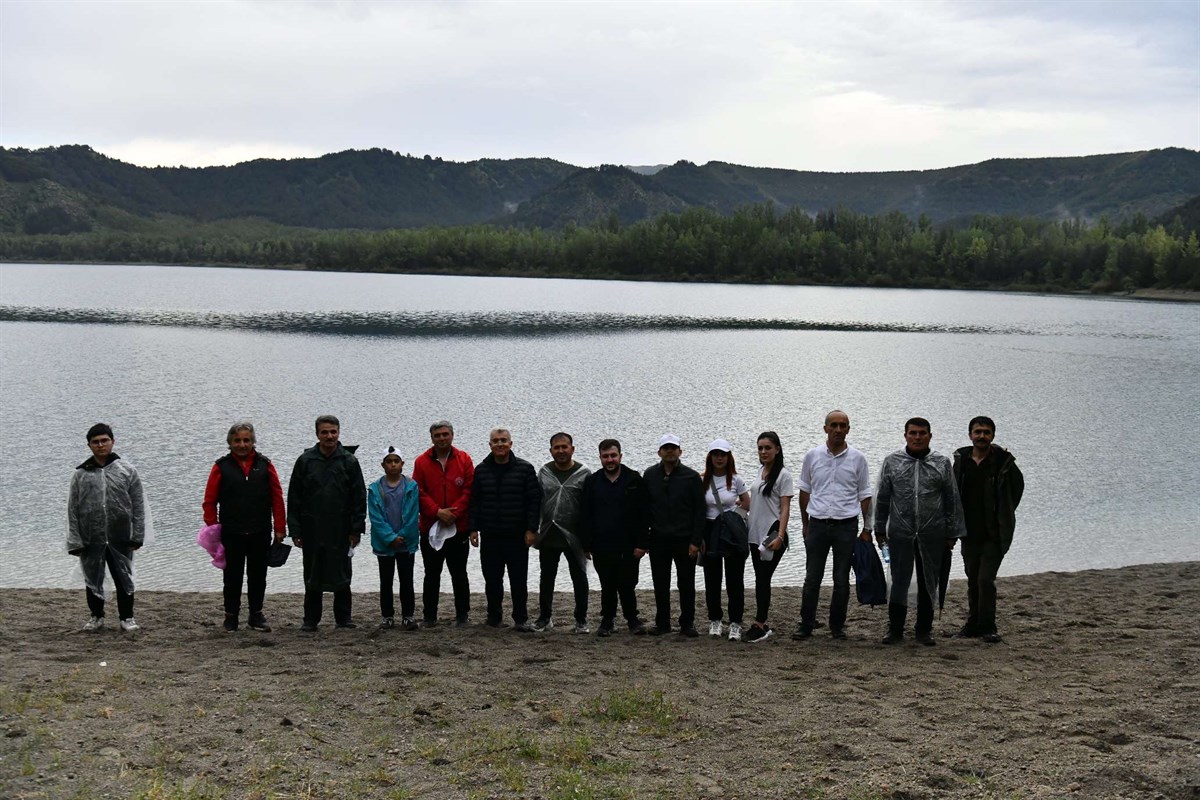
(835, 487)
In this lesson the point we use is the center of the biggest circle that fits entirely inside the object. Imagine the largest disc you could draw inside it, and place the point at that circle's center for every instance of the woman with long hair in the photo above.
(770, 509)
(724, 490)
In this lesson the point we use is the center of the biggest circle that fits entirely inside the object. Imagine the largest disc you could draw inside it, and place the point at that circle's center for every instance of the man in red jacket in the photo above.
(444, 476)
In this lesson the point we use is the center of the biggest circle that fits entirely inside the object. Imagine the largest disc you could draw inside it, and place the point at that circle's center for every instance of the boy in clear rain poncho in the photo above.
(918, 512)
(106, 521)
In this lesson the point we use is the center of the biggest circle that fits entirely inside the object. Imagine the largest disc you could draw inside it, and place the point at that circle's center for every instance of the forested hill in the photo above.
(73, 188)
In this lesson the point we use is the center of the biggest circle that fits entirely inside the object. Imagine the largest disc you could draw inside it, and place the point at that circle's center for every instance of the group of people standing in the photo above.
(613, 517)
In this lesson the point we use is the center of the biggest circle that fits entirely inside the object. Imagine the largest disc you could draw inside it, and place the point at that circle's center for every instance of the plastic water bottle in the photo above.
(885, 553)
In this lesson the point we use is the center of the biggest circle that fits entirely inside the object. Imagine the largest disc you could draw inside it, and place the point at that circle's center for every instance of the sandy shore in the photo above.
(1094, 693)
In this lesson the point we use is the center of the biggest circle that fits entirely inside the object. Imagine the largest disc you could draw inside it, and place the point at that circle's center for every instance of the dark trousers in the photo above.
(824, 536)
(124, 591)
(734, 567)
(906, 554)
(981, 559)
(499, 552)
(245, 553)
(388, 567)
(454, 555)
(314, 600)
(763, 570)
(662, 554)
(548, 558)
(618, 573)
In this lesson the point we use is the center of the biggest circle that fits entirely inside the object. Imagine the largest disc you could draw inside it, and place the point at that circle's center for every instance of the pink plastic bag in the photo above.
(209, 538)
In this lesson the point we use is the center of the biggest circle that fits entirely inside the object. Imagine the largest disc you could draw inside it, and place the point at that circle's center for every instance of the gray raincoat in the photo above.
(917, 505)
(106, 511)
(562, 510)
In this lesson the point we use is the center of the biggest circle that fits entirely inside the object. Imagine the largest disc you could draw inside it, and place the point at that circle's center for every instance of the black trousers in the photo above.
(401, 563)
(664, 553)
(499, 552)
(981, 559)
(454, 555)
(763, 570)
(548, 558)
(898, 611)
(825, 536)
(124, 593)
(314, 600)
(618, 573)
(245, 553)
(734, 568)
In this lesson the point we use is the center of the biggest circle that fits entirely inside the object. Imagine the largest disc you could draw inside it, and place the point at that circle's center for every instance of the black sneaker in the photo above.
(840, 633)
(496, 623)
(802, 632)
(462, 622)
(690, 632)
(926, 639)
(259, 622)
(992, 638)
(893, 637)
(523, 627)
(347, 624)
(758, 634)
(966, 632)
(231, 623)
(637, 628)
(410, 624)
(659, 630)
(308, 627)
(605, 629)
(429, 622)
(542, 624)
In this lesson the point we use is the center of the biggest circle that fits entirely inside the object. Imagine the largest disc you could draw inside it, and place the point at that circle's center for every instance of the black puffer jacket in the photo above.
(506, 498)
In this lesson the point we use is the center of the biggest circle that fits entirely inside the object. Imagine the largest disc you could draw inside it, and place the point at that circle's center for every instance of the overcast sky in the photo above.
(843, 86)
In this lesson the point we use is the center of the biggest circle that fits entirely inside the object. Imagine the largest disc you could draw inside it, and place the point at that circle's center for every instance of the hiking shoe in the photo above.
(230, 624)
(992, 638)
(926, 639)
(605, 629)
(840, 633)
(714, 628)
(130, 625)
(410, 624)
(759, 634)
(542, 624)
(94, 625)
(259, 622)
(308, 627)
(581, 627)
(802, 632)
(690, 632)
(893, 637)
(637, 628)
(735, 631)
(525, 627)
(429, 622)
(347, 624)
(387, 622)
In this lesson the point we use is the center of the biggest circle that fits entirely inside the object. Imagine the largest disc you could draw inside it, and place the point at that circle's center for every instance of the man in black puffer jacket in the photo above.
(505, 504)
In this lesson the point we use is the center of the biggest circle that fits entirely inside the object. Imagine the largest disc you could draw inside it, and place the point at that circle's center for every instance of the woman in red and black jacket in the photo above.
(243, 495)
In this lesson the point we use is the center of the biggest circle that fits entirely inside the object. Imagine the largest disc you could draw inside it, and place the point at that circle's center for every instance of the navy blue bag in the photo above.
(870, 584)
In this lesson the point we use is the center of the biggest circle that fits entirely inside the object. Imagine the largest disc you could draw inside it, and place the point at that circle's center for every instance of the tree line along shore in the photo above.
(756, 244)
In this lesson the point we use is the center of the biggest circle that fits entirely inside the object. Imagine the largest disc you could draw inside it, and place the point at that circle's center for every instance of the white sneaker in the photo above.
(735, 631)
(714, 628)
(130, 625)
(94, 624)
(582, 627)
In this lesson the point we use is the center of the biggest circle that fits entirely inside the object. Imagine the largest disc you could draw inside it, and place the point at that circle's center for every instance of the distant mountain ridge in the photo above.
(73, 187)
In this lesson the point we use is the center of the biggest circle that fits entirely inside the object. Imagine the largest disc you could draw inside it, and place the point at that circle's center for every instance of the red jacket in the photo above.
(444, 488)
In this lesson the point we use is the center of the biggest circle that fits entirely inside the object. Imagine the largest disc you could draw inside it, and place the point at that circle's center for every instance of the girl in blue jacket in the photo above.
(392, 507)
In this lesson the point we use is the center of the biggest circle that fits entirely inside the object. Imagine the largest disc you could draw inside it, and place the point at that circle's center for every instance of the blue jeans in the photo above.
(499, 552)
(823, 536)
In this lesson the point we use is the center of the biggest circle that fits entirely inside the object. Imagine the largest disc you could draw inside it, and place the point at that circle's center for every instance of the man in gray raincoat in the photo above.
(326, 515)
(106, 522)
(558, 535)
(917, 511)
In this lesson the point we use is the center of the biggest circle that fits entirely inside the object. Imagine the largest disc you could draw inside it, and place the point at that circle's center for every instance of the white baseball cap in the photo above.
(668, 439)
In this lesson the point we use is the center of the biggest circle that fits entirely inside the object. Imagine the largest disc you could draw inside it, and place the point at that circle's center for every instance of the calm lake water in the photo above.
(1096, 397)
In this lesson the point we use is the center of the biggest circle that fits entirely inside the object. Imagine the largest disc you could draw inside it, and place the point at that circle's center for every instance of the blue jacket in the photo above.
(382, 532)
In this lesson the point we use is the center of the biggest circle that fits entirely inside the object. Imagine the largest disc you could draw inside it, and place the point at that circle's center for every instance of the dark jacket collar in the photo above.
(91, 462)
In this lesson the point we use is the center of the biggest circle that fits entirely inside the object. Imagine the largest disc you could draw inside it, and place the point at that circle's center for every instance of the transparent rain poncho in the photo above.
(562, 507)
(917, 505)
(107, 517)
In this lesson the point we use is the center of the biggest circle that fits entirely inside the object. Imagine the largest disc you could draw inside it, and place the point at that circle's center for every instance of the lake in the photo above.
(1096, 397)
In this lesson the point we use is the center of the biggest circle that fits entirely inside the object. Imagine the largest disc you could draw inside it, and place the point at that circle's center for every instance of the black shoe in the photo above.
(967, 632)
(605, 629)
(495, 623)
(309, 627)
(926, 639)
(259, 622)
(690, 632)
(893, 637)
(231, 623)
(523, 627)
(838, 634)
(659, 630)
(347, 624)
(638, 628)
(802, 632)
(818, 624)
(462, 622)
(429, 622)
(992, 638)
(410, 624)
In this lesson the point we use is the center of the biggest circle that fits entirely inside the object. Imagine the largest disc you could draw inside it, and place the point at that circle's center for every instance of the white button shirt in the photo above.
(836, 484)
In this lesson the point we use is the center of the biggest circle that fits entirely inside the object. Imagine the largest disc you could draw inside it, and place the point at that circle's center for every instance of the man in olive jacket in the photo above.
(326, 514)
(991, 486)
(506, 502)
